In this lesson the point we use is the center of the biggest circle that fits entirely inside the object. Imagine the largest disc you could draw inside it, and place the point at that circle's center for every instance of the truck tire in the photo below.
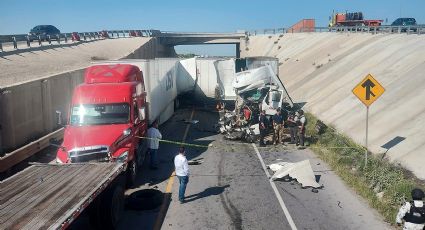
(132, 171)
(146, 199)
(109, 208)
(141, 153)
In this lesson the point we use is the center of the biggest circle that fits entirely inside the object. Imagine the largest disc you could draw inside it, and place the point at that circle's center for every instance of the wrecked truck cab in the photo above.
(256, 89)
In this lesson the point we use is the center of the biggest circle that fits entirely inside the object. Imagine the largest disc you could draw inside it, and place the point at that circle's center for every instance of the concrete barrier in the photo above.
(29, 109)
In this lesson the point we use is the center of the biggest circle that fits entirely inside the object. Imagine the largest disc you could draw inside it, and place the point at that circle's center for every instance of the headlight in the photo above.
(123, 157)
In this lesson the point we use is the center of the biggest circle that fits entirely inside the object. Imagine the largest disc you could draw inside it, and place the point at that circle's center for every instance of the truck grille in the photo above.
(89, 154)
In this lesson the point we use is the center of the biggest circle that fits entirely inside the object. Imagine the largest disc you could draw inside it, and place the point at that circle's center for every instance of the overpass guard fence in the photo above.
(27, 41)
(419, 29)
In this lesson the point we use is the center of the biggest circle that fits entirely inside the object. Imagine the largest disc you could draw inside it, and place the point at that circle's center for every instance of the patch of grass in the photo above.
(379, 176)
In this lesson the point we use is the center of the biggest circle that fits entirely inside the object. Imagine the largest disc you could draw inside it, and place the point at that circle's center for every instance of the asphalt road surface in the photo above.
(230, 189)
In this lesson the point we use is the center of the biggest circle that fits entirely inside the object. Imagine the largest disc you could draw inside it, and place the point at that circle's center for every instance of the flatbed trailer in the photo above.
(51, 196)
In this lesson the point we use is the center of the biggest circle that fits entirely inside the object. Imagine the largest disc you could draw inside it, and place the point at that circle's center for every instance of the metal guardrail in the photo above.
(27, 40)
(419, 29)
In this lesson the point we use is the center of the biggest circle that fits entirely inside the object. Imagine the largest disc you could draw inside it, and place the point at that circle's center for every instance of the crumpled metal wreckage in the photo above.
(301, 171)
(255, 89)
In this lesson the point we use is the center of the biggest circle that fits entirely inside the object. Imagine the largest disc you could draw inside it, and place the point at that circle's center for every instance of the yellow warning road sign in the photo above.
(368, 90)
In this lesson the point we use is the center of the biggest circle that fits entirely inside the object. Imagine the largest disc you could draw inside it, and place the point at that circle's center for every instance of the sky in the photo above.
(18, 17)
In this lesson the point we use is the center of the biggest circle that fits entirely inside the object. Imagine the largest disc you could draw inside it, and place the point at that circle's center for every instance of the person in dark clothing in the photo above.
(302, 122)
(292, 125)
(278, 127)
(262, 125)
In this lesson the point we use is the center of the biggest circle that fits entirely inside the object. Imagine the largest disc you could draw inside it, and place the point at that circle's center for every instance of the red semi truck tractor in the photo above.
(351, 20)
(107, 116)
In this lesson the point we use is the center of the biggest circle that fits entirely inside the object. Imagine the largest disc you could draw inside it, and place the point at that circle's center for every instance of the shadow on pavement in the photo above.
(212, 191)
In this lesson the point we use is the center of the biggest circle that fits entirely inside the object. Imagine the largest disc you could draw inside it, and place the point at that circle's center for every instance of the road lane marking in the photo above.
(167, 195)
(279, 198)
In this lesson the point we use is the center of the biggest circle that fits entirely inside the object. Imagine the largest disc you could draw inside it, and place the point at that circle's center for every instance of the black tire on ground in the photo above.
(108, 209)
(146, 199)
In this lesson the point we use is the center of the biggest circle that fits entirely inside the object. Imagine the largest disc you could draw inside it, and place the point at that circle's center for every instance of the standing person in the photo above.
(182, 172)
(413, 212)
(278, 127)
(292, 125)
(153, 144)
(302, 124)
(262, 125)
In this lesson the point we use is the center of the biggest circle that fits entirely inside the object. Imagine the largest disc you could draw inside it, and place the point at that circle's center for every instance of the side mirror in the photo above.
(59, 117)
(142, 113)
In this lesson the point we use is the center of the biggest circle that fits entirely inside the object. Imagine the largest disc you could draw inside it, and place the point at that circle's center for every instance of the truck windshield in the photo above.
(99, 114)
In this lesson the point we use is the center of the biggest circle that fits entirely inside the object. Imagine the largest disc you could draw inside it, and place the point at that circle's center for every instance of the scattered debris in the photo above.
(300, 171)
(196, 162)
(279, 47)
(339, 204)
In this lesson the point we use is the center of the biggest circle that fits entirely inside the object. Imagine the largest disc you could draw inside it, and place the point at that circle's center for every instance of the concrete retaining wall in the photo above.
(29, 109)
(321, 69)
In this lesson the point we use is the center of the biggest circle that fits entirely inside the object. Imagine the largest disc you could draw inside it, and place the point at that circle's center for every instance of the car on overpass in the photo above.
(42, 32)
(404, 24)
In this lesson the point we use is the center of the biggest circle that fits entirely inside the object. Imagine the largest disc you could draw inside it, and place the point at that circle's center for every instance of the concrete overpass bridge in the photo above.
(178, 38)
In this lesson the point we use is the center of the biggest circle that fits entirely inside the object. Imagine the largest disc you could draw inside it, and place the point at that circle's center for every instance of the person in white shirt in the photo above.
(413, 213)
(182, 172)
(153, 144)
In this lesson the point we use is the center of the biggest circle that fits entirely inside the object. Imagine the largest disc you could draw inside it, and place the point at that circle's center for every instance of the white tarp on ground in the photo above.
(301, 171)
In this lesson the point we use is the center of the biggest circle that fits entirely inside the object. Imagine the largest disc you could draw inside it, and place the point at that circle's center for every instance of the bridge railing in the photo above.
(417, 29)
(186, 34)
(19, 41)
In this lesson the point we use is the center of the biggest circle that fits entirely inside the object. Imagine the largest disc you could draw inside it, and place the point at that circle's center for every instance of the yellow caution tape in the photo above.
(175, 142)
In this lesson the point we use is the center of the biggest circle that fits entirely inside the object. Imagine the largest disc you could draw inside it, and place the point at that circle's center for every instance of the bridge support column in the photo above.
(238, 50)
